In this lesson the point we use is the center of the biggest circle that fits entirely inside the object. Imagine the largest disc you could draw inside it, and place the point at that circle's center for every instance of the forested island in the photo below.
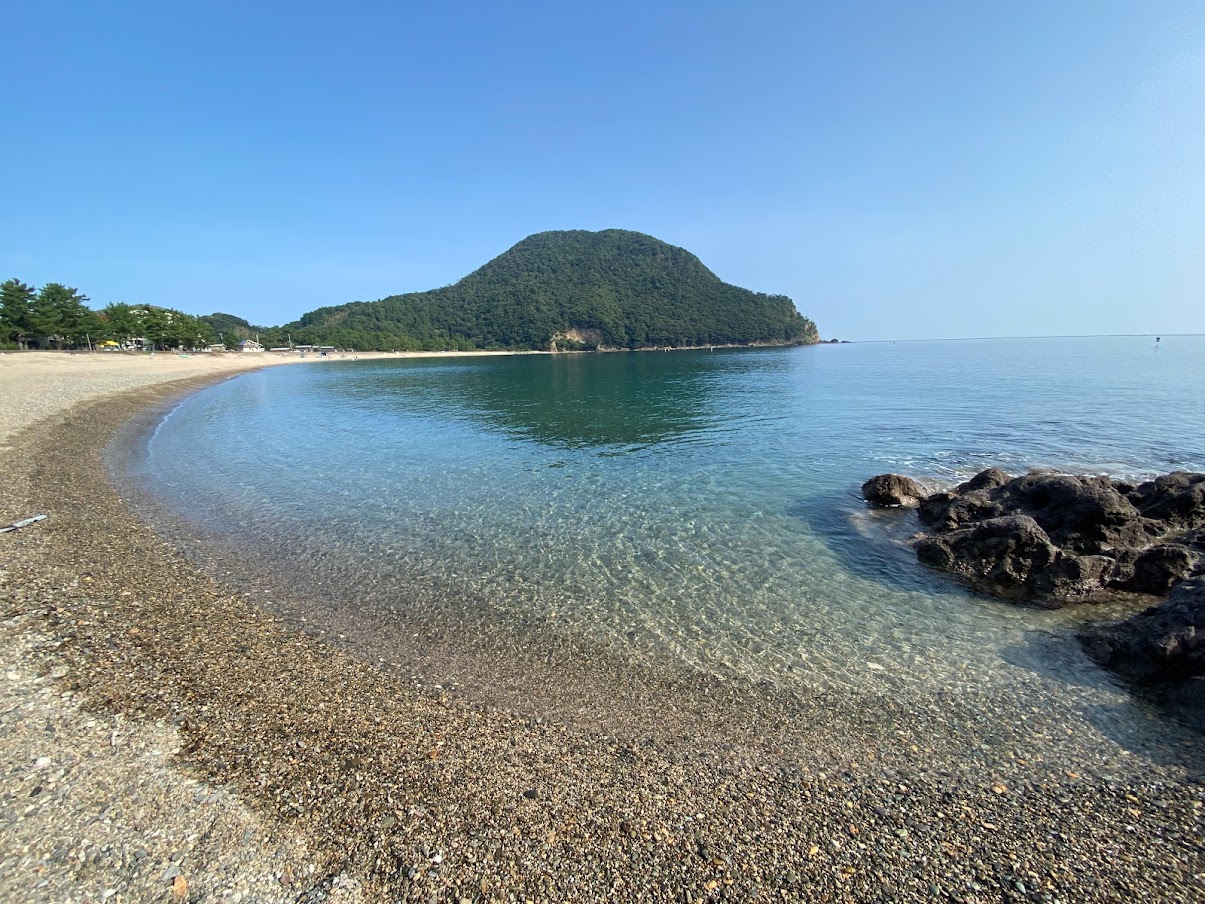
(564, 290)
(577, 289)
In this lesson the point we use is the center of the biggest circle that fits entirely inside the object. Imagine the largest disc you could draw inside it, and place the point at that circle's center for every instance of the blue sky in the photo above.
(901, 170)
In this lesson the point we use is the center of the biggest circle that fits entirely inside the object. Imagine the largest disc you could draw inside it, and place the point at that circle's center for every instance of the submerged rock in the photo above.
(1055, 538)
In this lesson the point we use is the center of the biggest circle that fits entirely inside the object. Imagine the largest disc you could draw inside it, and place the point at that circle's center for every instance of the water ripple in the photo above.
(701, 507)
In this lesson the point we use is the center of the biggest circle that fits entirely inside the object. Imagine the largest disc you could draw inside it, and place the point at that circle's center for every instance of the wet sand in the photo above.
(347, 780)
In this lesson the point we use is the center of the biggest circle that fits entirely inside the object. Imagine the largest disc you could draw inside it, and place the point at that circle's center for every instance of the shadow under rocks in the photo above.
(1162, 723)
(1183, 700)
(872, 543)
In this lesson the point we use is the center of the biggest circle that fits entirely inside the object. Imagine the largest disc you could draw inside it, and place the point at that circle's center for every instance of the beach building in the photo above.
(250, 345)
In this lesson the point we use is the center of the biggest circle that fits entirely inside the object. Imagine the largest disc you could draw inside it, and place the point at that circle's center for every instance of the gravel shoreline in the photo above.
(277, 766)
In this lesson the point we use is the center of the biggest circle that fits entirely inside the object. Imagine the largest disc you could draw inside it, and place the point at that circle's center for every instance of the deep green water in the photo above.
(696, 508)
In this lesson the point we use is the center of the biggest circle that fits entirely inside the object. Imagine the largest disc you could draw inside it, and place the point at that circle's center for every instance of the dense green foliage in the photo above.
(57, 316)
(164, 327)
(231, 329)
(54, 316)
(563, 290)
(16, 311)
(62, 313)
(576, 289)
(228, 323)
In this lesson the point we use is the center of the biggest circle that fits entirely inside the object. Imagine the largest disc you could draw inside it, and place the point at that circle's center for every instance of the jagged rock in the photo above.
(933, 509)
(892, 489)
(1176, 499)
(1158, 569)
(1074, 579)
(1057, 538)
(1162, 643)
(1000, 556)
(1084, 515)
(985, 480)
(951, 511)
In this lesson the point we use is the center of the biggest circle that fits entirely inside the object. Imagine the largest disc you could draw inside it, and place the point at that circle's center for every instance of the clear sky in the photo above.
(901, 170)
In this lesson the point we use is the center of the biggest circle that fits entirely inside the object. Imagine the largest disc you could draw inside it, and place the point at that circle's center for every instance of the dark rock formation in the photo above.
(1004, 553)
(984, 480)
(1158, 569)
(1074, 579)
(1163, 643)
(1056, 538)
(892, 489)
(1083, 515)
(1176, 499)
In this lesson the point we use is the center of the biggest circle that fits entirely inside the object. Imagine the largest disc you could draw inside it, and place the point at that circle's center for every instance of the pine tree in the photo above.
(16, 304)
(61, 316)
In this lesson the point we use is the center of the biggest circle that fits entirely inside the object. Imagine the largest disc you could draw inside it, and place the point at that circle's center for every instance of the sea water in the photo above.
(699, 509)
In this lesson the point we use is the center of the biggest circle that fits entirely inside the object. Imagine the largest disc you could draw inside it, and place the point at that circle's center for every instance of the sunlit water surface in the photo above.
(699, 508)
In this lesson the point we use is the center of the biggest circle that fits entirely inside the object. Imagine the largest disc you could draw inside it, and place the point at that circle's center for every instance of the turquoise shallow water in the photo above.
(696, 508)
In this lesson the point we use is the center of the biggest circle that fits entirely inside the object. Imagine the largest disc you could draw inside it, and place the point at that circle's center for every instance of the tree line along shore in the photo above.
(570, 290)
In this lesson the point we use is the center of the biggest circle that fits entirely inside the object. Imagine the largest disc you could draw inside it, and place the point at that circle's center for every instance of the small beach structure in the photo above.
(250, 345)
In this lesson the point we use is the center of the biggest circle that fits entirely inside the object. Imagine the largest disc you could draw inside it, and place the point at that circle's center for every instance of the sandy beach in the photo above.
(163, 738)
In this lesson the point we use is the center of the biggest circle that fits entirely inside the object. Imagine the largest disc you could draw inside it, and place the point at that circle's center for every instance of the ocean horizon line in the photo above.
(986, 338)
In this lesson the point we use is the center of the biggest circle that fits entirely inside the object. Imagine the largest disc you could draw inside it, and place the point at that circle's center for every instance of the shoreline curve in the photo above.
(378, 778)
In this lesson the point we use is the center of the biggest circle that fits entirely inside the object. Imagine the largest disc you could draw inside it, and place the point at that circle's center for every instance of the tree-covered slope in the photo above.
(233, 329)
(227, 323)
(612, 288)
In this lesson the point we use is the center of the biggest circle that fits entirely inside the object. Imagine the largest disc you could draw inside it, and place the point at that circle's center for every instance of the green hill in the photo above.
(576, 288)
(230, 328)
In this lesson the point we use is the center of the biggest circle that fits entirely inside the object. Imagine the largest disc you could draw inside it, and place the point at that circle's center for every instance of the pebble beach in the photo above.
(162, 737)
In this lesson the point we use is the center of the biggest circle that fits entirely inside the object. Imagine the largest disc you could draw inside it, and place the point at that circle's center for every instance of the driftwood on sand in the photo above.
(24, 522)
